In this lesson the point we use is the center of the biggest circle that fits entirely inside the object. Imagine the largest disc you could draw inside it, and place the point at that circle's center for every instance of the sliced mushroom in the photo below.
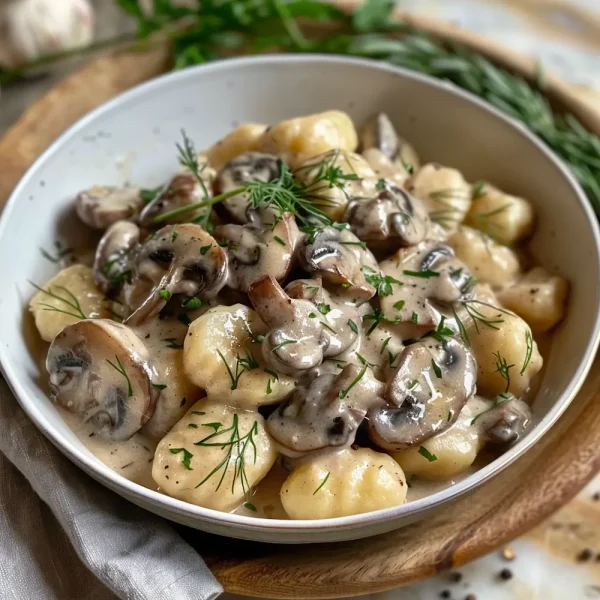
(295, 341)
(327, 412)
(341, 322)
(433, 278)
(178, 259)
(255, 251)
(338, 256)
(379, 132)
(101, 371)
(432, 383)
(506, 423)
(101, 206)
(112, 263)
(183, 189)
(392, 218)
(250, 166)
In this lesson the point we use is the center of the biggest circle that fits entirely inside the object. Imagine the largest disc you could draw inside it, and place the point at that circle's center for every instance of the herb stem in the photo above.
(182, 210)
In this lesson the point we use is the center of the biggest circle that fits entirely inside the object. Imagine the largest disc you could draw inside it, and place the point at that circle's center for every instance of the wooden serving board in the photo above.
(512, 503)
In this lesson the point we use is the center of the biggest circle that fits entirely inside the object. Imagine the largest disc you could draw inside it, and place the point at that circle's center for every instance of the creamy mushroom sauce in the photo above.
(304, 322)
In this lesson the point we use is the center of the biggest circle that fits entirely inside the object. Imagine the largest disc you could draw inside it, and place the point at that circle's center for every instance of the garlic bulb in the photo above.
(30, 29)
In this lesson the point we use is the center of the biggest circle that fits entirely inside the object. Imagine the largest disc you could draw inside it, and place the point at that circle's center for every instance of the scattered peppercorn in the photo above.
(596, 497)
(456, 577)
(585, 555)
(597, 557)
(508, 553)
(506, 574)
(445, 594)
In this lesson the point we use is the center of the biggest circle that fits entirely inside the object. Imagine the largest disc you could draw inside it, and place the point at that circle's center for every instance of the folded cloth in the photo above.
(51, 543)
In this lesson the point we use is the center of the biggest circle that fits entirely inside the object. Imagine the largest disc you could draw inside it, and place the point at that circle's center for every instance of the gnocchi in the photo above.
(190, 464)
(507, 219)
(487, 260)
(344, 483)
(68, 297)
(444, 192)
(297, 328)
(538, 297)
(242, 139)
(296, 140)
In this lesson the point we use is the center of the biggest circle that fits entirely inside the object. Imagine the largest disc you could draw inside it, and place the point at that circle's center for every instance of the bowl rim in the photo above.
(189, 511)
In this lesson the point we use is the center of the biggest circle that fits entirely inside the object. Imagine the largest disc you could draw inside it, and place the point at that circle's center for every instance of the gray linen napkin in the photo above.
(50, 542)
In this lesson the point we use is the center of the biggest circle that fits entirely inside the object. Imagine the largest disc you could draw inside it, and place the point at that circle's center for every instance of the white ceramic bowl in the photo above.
(132, 138)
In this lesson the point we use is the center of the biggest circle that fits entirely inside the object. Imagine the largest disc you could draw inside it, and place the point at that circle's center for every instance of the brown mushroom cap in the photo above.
(431, 385)
(295, 341)
(101, 206)
(433, 278)
(326, 413)
(339, 335)
(379, 132)
(182, 190)
(113, 256)
(178, 259)
(338, 256)
(393, 218)
(255, 251)
(249, 166)
(101, 371)
(506, 423)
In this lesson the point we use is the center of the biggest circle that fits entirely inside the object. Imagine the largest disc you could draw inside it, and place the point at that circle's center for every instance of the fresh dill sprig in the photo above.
(121, 369)
(70, 300)
(242, 364)
(528, 351)
(503, 368)
(60, 252)
(241, 443)
(322, 482)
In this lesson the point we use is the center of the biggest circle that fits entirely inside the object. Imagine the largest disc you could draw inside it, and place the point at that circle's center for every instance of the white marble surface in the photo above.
(568, 43)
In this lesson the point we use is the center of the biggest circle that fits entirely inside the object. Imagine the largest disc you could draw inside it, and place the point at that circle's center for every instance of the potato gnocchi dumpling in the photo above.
(507, 355)
(445, 193)
(220, 356)
(487, 260)
(335, 314)
(242, 139)
(343, 483)
(70, 296)
(538, 297)
(508, 219)
(190, 464)
(332, 200)
(449, 453)
(297, 139)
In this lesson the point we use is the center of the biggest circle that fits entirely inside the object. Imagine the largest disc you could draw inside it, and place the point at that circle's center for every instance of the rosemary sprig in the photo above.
(212, 29)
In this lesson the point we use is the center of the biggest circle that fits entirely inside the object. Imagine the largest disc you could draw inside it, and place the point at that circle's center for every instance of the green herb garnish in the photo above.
(322, 482)
(121, 369)
(187, 457)
(425, 453)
